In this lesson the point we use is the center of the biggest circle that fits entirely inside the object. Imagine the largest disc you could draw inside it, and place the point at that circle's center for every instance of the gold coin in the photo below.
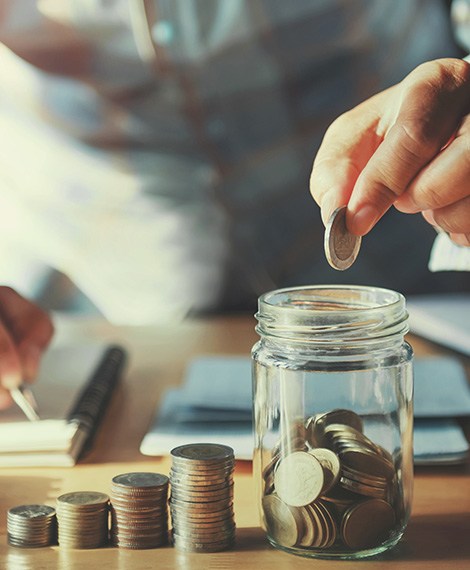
(341, 246)
(299, 479)
(283, 524)
(364, 478)
(362, 489)
(330, 464)
(315, 426)
(319, 525)
(309, 527)
(327, 511)
(367, 524)
(366, 461)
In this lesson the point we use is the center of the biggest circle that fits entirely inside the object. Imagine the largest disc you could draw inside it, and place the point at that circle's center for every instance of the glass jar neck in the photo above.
(333, 316)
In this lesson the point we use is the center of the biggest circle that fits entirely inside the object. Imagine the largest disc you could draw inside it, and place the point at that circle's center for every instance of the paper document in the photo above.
(214, 405)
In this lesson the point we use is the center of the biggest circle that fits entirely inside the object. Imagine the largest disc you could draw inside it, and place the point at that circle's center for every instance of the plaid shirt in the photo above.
(158, 152)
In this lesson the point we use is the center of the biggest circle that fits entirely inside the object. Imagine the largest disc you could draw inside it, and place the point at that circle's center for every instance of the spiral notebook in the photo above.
(73, 389)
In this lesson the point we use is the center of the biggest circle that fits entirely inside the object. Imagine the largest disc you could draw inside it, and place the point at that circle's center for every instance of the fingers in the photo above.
(25, 332)
(461, 239)
(347, 146)
(10, 366)
(433, 100)
(454, 219)
(445, 180)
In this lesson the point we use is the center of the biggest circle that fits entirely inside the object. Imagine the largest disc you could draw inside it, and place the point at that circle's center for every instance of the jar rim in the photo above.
(398, 298)
(332, 313)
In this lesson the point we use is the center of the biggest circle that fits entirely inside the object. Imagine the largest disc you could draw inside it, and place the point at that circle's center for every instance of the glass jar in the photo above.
(333, 416)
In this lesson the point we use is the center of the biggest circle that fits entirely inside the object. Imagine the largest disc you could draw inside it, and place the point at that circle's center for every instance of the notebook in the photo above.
(74, 386)
(214, 404)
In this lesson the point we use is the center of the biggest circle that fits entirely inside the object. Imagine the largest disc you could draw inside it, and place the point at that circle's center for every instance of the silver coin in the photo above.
(140, 480)
(195, 517)
(187, 546)
(203, 452)
(341, 246)
(82, 500)
(31, 511)
(203, 479)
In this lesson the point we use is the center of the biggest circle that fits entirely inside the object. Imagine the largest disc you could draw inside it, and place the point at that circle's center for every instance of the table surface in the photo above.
(438, 535)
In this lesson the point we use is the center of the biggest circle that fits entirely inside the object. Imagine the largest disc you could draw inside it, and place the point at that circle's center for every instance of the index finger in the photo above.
(345, 150)
(431, 107)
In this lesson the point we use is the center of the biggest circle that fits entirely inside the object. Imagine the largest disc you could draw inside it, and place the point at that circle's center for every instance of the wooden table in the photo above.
(438, 535)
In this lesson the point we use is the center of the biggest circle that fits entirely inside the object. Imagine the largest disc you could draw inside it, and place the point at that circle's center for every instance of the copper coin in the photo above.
(367, 524)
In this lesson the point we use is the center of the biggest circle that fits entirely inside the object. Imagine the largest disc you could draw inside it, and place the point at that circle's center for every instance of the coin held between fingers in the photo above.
(341, 246)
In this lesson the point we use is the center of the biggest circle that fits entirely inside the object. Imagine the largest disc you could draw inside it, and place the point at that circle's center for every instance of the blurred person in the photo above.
(158, 151)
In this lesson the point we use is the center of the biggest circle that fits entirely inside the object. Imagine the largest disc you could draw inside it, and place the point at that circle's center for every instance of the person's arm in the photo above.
(25, 332)
(45, 36)
(408, 146)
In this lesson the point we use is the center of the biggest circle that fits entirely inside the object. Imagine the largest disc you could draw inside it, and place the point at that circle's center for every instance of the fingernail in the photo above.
(32, 356)
(363, 220)
(11, 380)
(328, 206)
(428, 215)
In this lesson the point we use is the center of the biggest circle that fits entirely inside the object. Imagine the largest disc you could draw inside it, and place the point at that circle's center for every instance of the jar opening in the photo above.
(332, 313)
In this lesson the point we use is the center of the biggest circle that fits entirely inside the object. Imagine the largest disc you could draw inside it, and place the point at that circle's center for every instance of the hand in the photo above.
(408, 146)
(25, 332)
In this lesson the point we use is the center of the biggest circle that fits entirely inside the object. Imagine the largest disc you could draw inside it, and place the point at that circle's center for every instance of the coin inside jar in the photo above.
(330, 464)
(366, 524)
(317, 425)
(281, 521)
(299, 479)
(341, 246)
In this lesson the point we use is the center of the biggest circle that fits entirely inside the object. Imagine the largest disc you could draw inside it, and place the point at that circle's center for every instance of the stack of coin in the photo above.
(201, 500)
(83, 519)
(315, 495)
(139, 510)
(32, 526)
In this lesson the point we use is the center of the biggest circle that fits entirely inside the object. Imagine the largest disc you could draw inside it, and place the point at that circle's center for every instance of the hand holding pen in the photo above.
(25, 332)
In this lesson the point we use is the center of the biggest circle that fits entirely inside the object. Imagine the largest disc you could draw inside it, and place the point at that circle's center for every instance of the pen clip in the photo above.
(24, 399)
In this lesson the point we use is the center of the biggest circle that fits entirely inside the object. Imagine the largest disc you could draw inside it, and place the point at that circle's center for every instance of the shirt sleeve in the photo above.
(445, 254)
(448, 256)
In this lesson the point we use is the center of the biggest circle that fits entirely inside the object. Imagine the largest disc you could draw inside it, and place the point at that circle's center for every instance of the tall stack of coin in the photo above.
(32, 526)
(139, 510)
(337, 490)
(83, 519)
(201, 500)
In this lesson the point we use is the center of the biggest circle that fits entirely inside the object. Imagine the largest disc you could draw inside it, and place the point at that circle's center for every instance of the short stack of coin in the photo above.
(83, 519)
(339, 490)
(201, 500)
(139, 510)
(32, 526)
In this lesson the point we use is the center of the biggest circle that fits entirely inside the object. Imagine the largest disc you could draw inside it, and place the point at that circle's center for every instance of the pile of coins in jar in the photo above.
(329, 486)
(136, 515)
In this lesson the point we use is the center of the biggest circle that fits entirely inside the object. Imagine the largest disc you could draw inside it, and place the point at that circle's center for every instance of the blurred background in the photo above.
(155, 154)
